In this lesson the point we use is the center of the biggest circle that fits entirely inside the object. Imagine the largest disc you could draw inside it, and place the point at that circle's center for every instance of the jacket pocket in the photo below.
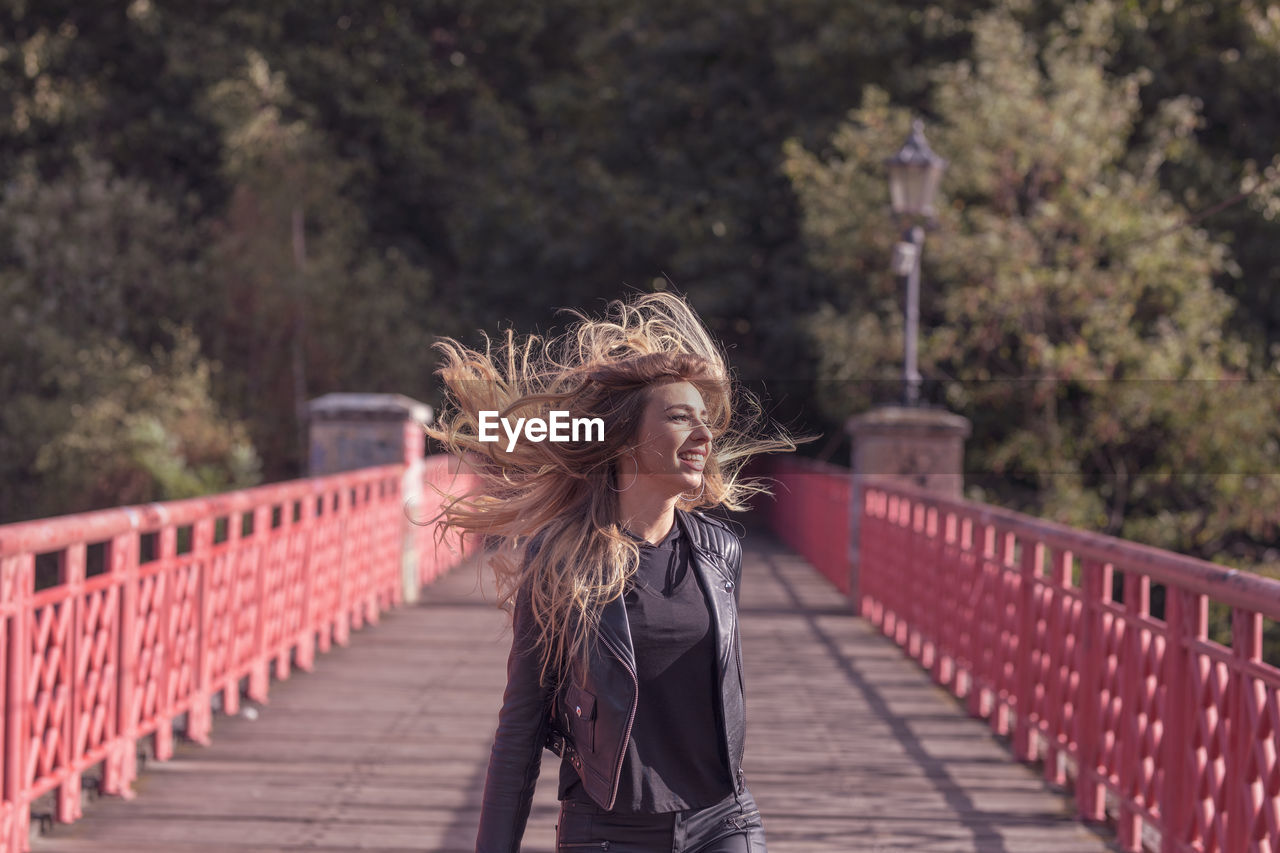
(580, 714)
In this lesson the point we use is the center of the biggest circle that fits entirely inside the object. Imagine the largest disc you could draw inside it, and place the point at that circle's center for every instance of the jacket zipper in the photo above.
(742, 684)
(631, 718)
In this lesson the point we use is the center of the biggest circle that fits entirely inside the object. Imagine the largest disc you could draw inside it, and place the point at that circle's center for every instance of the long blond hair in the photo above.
(562, 497)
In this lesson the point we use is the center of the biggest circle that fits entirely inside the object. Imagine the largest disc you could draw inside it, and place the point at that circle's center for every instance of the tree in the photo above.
(1227, 57)
(1066, 311)
(305, 301)
(465, 164)
(89, 260)
(113, 81)
(142, 430)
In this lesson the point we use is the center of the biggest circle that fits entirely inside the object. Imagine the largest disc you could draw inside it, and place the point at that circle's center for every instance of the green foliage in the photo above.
(306, 301)
(90, 260)
(467, 163)
(115, 81)
(142, 430)
(1065, 310)
(91, 253)
(1227, 57)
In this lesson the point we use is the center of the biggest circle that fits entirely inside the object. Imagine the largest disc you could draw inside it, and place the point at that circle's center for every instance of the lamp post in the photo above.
(914, 174)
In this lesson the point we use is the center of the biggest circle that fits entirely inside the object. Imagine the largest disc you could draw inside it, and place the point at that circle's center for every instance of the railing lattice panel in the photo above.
(190, 600)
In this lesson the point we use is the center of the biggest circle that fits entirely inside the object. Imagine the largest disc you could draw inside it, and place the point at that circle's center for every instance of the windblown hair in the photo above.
(562, 498)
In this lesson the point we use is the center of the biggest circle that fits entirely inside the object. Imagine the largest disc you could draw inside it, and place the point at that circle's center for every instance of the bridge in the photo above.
(251, 672)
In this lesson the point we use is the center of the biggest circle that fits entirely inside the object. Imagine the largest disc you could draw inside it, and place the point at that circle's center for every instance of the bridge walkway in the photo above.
(850, 746)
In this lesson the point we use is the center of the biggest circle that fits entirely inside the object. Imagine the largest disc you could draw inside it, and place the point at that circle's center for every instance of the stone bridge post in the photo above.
(351, 431)
(915, 445)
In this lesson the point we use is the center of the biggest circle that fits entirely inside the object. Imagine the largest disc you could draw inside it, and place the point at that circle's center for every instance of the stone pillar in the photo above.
(351, 431)
(917, 446)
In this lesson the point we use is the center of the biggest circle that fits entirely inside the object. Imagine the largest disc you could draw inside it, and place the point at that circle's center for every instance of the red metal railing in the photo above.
(1051, 633)
(144, 614)
(441, 474)
(811, 513)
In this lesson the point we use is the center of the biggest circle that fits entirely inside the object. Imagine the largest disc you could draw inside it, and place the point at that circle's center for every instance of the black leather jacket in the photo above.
(593, 716)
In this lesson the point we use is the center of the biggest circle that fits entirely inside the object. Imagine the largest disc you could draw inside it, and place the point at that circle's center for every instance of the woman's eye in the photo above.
(680, 417)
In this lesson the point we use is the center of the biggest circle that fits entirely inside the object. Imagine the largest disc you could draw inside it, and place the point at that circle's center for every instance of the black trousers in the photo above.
(730, 826)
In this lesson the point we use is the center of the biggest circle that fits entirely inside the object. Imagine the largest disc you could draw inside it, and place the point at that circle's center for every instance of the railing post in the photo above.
(259, 666)
(199, 711)
(306, 638)
(68, 798)
(1137, 605)
(944, 603)
(1188, 619)
(166, 571)
(1242, 805)
(220, 567)
(17, 582)
(916, 580)
(411, 492)
(1090, 799)
(897, 594)
(983, 546)
(6, 792)
(853, 550)
(867, 531)
(120, 768)
(1004, 563)
(962, 645)
(935, 524)
(1058, 623)
(341, 511)
(1030, 567)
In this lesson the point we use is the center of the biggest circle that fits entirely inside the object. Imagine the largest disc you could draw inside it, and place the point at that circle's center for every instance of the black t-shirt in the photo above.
(675, 759)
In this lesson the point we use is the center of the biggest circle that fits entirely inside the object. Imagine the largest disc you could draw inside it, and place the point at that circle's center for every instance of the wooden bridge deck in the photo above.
(850, 746)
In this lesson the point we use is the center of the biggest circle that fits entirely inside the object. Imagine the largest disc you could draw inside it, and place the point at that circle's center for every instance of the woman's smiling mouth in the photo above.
(695, 459)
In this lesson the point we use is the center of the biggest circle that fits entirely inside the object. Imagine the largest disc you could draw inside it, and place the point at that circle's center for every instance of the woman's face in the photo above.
(673, 442)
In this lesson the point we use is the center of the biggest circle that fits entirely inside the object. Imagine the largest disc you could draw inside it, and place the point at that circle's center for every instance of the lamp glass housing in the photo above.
(913, 188)
(914, 175)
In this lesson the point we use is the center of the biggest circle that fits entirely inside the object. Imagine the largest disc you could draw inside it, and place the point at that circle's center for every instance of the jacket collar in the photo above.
(615, 631)
(695, 528)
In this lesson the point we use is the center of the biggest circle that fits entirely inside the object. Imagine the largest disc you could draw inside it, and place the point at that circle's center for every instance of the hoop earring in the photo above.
(700, 493)
(634, 462)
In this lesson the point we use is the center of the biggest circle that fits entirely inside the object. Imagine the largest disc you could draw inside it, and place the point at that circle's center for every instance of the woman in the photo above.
(626, 655)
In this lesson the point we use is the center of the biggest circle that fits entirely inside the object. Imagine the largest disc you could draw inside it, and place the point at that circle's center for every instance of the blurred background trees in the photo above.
(1071, 316)
(216, 209)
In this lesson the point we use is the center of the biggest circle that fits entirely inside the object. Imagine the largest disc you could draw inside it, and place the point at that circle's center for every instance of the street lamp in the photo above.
(914, 174)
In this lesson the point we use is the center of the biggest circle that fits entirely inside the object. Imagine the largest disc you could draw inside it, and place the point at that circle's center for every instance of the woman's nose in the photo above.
(701, 433)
